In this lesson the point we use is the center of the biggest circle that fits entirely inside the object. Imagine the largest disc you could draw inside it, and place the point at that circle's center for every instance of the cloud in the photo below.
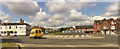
(64, 15)
(22, 8)
(16, 0)
(78, 16)
(41, 16)
(4, 17)
(57, 20)
(93, 4)
(101, 17)
(65, 7)
(58, 17)
(67, 14)
(112, 10)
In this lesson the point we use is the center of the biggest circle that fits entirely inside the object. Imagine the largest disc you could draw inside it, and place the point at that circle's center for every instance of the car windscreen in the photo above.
(39, 31)
(36, 31)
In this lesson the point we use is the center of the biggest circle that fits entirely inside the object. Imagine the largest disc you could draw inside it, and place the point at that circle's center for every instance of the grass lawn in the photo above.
(8, 45)
(58, 33)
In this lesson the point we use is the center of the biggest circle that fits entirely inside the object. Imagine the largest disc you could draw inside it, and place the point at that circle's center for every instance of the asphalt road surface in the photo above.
(106, 40)
(47, 41)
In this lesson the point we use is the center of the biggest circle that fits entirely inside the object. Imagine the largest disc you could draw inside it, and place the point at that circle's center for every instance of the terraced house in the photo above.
(107, 26)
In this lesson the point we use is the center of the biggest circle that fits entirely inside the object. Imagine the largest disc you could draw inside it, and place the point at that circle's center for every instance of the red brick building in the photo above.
(107, 26)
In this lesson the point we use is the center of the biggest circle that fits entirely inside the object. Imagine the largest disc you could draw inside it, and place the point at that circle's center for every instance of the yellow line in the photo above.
(20, 45)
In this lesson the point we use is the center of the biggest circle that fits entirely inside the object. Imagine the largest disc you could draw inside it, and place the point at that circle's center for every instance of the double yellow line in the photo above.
(20, 46)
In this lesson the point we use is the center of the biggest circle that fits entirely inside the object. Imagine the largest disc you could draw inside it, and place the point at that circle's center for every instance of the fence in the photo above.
(73, 32)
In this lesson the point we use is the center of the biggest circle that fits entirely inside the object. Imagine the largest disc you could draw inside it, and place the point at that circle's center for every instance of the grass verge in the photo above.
(8, 45)
(58, 33)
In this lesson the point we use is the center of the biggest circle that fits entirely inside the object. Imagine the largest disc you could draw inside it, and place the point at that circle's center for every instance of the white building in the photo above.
(12, 29)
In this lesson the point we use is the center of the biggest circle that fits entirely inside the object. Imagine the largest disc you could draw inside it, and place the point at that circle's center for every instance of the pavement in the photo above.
(107, 41)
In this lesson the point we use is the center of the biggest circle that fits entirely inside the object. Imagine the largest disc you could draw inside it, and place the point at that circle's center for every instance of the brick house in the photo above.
(106, 26)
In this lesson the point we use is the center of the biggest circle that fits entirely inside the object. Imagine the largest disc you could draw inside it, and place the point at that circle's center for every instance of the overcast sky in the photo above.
(58, 14)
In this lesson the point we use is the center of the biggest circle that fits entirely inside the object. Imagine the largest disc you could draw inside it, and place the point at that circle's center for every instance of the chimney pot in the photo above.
(23, 21)
(20, 20)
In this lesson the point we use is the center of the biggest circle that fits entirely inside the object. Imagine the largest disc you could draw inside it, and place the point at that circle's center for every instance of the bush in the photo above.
(58, 33)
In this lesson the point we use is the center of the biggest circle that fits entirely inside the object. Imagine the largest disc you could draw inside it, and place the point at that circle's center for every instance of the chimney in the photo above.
(20, 20)
(0, 21)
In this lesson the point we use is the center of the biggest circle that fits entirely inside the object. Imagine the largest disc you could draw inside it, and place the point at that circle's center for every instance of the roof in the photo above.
(98, 21)
(85, 26)
(108, 20)
(16, 24)
(119, 20)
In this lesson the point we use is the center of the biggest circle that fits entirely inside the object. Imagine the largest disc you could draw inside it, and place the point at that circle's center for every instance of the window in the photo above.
(104, 22)
(16, 27)
(4, 32)
(112, 27)
(11, 32)
(97, 27)
(36, 31)
(98, 31)
(39, 31)
(20, 27)
(112, 22)
(15, 31)
(105, 27)
(10, 27)
(1, 32)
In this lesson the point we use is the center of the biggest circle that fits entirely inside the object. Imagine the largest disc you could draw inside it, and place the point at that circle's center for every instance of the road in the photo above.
(108, 40)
